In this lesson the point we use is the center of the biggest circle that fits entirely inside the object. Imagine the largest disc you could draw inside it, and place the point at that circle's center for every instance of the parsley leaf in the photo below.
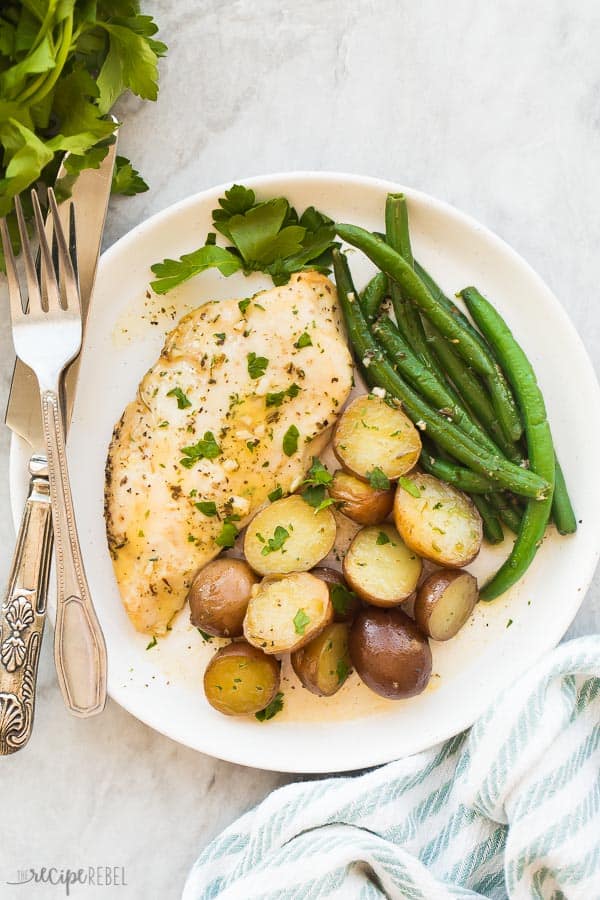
(126, 179)
(318, 473)
(172, 272)
(227, 535)
(382, 538)
(257, 365)
(303, 341)
(206, 448)
(205, 636)
(290, 440)
(280, 536)
(316, 495)
(152, 643)
(207, 507)
(343, 670)
(275, 706)
(277, 494)
(341, 598)
(183, 402)
(301, 620)
(409, 486)
(378, 479)
(243, 305)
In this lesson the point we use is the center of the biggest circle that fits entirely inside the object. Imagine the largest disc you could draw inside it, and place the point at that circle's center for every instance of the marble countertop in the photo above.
(494, 108)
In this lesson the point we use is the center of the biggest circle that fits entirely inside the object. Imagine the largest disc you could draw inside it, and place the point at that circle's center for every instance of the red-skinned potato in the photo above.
(444, 602)
(390, 654)
(359, 501)
(324, 664)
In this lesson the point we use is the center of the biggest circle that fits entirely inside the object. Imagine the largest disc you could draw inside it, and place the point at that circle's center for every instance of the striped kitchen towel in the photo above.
(509, 809)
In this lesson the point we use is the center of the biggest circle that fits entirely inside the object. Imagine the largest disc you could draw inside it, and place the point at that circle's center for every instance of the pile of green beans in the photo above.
(471, 390)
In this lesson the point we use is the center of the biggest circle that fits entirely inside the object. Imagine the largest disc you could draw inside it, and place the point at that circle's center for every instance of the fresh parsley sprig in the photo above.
(264, 236)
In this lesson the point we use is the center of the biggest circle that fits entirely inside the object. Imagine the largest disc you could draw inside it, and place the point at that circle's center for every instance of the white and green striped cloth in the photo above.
(509, 809)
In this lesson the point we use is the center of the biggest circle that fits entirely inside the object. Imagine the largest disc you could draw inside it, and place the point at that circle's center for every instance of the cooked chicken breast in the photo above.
(242, 397)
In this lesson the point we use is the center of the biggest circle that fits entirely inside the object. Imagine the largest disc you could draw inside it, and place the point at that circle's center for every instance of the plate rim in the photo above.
(255, 755)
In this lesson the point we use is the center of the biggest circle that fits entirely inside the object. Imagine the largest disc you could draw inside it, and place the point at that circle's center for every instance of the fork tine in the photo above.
(66, 266)
(34, 297)
(14, 290)
(49, 279)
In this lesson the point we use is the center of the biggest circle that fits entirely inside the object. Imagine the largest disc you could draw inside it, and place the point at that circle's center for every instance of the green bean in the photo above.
(492, 526)
(378, 371)
(425, 382)
(537, 431)
(464, 479)
(508, 513)
(392, 263)
(562, 511)
(373, 295)
(472, 391)
(398, 237)
(500, 392)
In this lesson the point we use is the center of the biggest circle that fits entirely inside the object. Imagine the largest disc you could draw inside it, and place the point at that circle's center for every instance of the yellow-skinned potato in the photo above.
(287, 611)
(241, 679)
(324, 664)
(380, 568)
(288, 536)
(358, 500)
(437, 521)
(219, 596)
(373, 435)
(444, 603)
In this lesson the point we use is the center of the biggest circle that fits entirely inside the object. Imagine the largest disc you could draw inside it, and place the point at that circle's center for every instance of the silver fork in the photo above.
(47, 331)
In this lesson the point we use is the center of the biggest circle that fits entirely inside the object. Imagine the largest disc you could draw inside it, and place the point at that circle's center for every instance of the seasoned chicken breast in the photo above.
(242, 397)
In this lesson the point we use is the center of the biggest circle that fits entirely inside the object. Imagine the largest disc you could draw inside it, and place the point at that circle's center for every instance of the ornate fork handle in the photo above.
(23, 614)
(79, 648)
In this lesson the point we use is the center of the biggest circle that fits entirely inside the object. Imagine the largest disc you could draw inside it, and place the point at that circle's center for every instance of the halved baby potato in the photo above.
(324, 664)
(287, 611)
(380, 567)
(219, 596)
(288, 536)
(437, 521)
(444, 603)
(373, 435)
(358, 500)
(241, 679)
(344, 601)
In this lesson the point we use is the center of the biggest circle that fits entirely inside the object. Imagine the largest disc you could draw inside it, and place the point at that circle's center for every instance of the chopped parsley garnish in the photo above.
(303, 341)
(243, 305)
(378, 479)
(509, 623)
(280, 536)
(382, 538)
(257, 365)
(293, 390)
(183, 402)
(316, 496)
(277, 494)
(205, 636)
(191, 539)
(206, 448)
(227, 535)
(152, 643)
(411, 488)
(290, 440)
(301, 620)
(278, 398)
(208, 507)
(275, 706)
(220, 336)
(343, 670)
(318, 473)
(341, 598)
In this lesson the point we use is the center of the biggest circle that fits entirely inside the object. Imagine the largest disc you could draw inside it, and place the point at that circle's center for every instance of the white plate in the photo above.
(163, 686)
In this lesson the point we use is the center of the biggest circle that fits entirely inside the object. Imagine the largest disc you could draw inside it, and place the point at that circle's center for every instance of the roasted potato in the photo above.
(219, 597)
(437, 521)
(444, 603)
(380, 567)
(288, 536)
(390, 654)
(344, 601)
(373, 435)
(359, 501)
(324, 664)
(241, 679)
(287, 611)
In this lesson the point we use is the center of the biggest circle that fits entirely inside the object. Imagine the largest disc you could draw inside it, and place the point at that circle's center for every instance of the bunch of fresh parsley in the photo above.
(264, 236)
(63, 65)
